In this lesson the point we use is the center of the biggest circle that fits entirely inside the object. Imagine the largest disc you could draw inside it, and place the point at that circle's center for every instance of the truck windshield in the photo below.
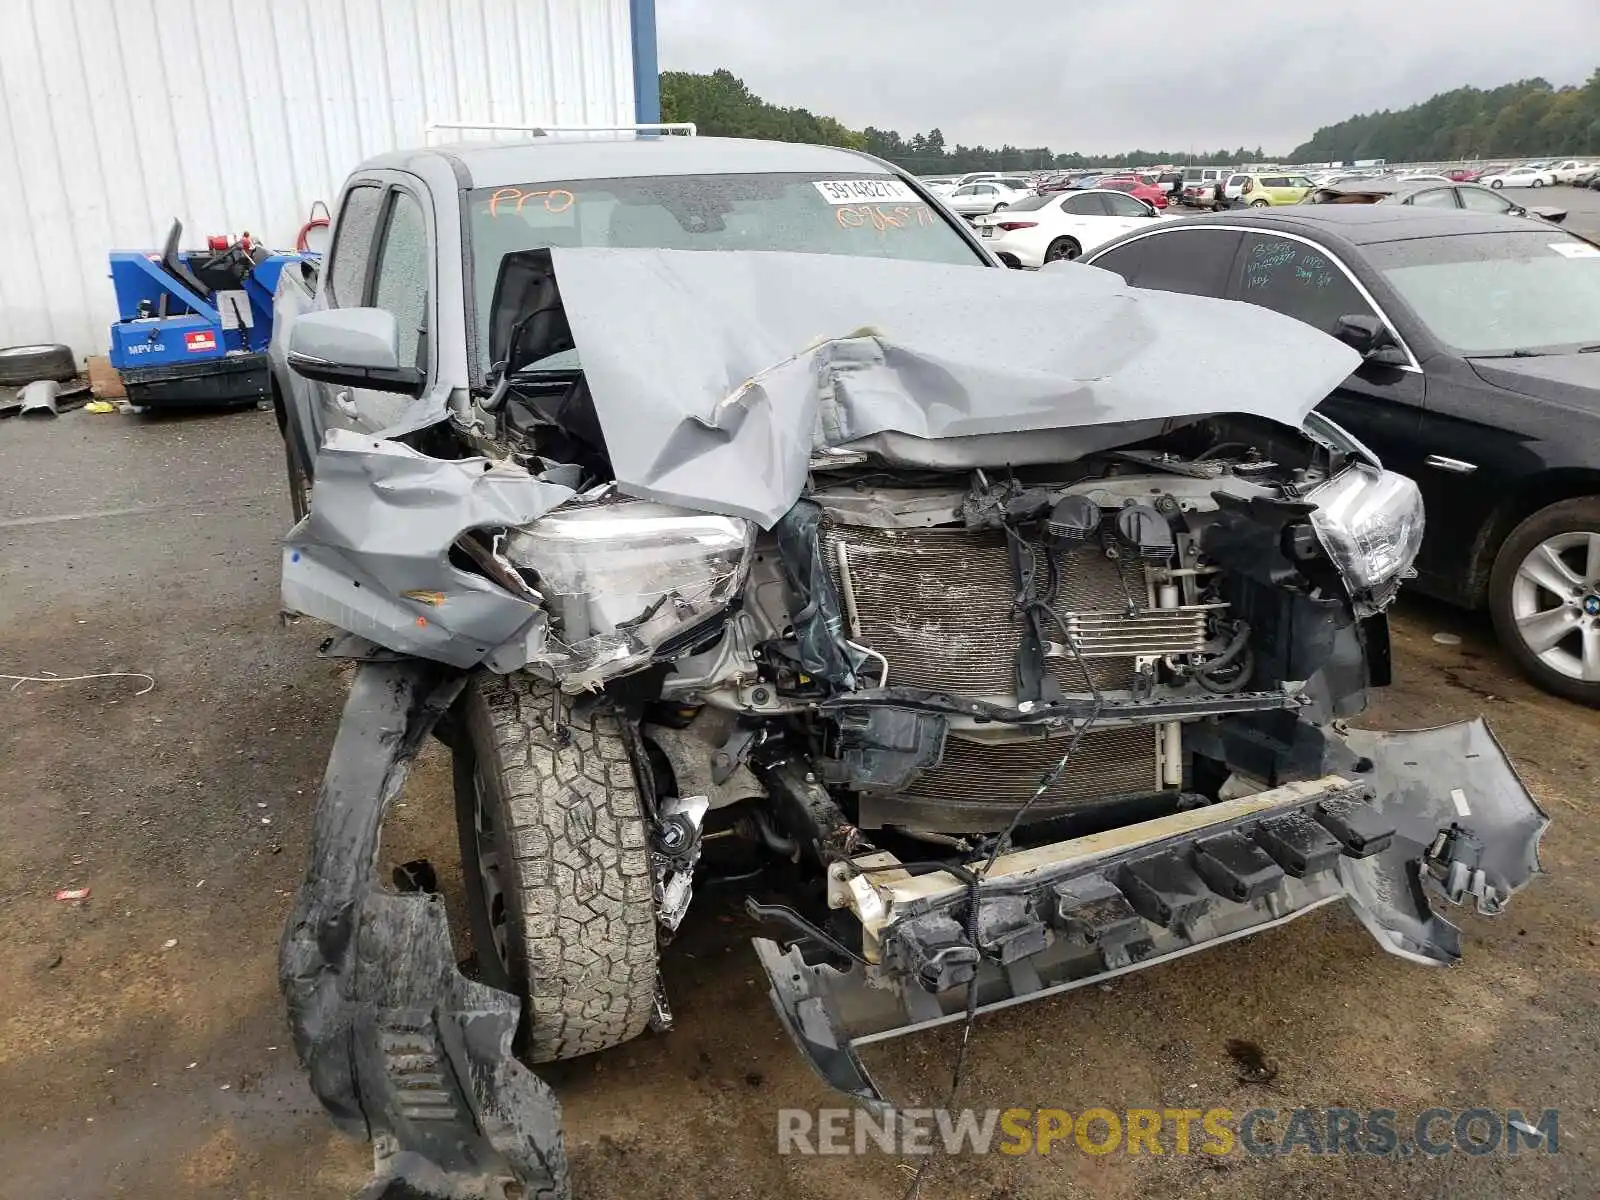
(869, 215)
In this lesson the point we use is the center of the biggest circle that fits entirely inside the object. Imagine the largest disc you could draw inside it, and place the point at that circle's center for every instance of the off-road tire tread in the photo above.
(579, 893)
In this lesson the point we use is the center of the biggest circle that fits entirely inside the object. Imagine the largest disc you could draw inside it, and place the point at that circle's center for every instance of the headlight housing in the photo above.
(1370, 522)
(624, 577)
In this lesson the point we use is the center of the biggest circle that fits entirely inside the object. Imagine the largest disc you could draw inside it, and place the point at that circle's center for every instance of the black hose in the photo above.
(1237, 651)
(779, 844)
(1236, 646)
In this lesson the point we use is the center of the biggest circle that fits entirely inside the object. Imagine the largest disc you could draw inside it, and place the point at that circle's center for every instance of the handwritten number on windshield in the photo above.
(882, 216)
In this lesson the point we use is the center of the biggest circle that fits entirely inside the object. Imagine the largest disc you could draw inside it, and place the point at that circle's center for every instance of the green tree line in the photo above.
(1519, 119)
(722, 106)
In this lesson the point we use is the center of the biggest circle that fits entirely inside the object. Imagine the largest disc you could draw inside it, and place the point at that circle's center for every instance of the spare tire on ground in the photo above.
(24, 364)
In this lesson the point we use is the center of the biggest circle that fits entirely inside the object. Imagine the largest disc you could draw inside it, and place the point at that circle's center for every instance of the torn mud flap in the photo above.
(1410, 819)
(402, 1048)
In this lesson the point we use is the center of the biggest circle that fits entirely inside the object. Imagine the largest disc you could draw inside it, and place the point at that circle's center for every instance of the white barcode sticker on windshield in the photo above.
(882, 190)
(1576, 249)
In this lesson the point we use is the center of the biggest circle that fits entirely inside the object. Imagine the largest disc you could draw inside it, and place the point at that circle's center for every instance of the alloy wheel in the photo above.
(1555, 604)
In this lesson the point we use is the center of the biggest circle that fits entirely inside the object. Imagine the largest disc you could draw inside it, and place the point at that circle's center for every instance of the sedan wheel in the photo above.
(1260, 203)
(1497, 184)
(1545, 598)
(1063, 249)
(1538, 182)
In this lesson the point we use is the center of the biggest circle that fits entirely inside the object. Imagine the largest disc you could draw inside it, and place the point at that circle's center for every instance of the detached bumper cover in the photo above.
(403, 1049)
(1432, 814)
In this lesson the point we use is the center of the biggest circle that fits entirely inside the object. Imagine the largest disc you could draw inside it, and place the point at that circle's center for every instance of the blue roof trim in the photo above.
(646, 70)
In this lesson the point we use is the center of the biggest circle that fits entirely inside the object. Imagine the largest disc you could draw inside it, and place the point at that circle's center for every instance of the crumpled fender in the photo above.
(401, 1048)
(374, 554)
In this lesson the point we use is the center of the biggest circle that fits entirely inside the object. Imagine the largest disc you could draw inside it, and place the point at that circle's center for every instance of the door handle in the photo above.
(1453, 465)
(345, 404)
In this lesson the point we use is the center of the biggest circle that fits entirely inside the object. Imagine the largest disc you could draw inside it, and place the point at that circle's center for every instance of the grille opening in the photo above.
(979, 786)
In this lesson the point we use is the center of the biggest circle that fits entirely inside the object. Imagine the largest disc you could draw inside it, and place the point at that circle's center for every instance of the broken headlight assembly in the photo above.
(624, 578)
(1370, 523)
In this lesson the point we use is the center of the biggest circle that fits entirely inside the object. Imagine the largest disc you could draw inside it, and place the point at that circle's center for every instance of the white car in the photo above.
(985, 196)
(1520, 177)
(1060, 226)
(1231, 189)
(1568, 170)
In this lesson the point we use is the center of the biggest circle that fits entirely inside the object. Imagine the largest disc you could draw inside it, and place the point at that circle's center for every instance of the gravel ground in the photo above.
(143, 1049)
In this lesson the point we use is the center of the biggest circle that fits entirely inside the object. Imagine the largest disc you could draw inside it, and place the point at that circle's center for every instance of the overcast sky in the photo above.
(1108, 75)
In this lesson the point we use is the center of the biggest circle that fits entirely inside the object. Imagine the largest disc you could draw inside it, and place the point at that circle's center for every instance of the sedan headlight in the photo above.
(1370, 523)
(624, 577)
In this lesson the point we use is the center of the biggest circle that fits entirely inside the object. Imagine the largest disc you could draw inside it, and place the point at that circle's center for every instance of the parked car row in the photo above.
(1429, 192)
(1480, 332)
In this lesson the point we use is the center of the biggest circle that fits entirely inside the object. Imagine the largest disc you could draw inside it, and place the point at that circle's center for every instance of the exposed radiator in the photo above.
(937, 604)
(979, 785)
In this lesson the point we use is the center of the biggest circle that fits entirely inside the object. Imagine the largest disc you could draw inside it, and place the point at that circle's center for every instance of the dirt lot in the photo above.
(142, 1042)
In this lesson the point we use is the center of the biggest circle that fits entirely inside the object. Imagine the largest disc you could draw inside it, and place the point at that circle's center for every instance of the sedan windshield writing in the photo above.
(1502, 293)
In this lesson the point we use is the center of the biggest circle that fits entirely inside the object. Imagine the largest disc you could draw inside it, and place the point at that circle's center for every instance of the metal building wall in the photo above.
(118, 115)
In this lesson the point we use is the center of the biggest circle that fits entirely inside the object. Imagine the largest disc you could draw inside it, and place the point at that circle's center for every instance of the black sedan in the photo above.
(1481, 335)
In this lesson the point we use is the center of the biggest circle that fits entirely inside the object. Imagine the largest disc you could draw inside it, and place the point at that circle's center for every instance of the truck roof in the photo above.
(494, 164)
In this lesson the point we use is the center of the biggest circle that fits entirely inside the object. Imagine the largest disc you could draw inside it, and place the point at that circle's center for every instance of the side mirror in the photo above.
(1371, 338)
(1359, 331)
(358, 347)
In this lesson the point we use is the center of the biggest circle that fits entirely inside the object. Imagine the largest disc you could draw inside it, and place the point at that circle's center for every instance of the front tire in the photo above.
(1497, 184)
(1260, 203)
(557, 871)
(1544, 595)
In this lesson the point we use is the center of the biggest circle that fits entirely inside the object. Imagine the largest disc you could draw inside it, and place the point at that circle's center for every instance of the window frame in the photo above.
(381, 245)
(1192, 231)
(1237, 272)
(1411, 364)
(331, 268)
(1090, 197)
(1464, 190)
(1446, 188)
(1132, 200)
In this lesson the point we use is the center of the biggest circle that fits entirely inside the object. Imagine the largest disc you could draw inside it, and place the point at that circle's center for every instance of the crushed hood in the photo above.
(715, 376)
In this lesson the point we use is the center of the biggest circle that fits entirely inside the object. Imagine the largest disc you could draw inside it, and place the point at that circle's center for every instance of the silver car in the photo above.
(985, 196)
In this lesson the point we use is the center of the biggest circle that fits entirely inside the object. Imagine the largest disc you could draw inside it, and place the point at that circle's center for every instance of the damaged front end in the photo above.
(1039, 671)
(1401, 821)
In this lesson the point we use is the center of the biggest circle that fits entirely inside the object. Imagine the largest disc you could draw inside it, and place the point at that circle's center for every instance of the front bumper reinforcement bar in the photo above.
(1431, 814)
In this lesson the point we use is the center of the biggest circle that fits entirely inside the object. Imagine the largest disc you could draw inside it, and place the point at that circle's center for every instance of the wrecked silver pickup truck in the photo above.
(945, 584)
